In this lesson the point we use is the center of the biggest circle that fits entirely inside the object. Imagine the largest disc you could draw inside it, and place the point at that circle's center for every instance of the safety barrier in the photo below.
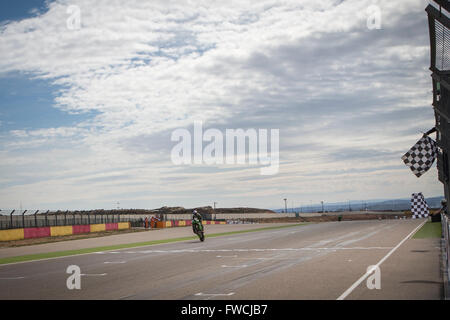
(58, 231)
(183, 223)
(35, 219)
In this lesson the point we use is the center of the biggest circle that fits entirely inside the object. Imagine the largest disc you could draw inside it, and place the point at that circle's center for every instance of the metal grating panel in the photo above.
(442, 35)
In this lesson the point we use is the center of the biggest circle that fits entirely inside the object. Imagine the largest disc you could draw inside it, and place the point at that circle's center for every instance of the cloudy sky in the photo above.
(87, 110)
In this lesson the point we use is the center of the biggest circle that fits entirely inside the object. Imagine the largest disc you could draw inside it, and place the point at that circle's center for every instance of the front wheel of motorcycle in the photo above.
(202, 236)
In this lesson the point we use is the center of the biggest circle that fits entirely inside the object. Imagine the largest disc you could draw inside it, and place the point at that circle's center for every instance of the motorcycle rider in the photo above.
(196, 215)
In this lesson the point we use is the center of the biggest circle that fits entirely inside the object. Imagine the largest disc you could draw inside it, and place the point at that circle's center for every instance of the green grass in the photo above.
(429, 230)
(67, 253)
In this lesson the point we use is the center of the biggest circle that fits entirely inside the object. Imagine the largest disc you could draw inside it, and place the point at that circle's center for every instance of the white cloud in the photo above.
(310, 68)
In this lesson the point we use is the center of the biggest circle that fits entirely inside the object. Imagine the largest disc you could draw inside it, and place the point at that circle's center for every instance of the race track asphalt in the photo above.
(315, 261)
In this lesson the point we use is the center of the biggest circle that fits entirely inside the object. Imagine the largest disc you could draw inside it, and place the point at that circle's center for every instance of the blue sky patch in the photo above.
(27, 104)
(17, 10)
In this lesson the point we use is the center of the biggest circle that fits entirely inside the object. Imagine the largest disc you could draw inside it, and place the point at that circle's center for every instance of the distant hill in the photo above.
(373, 205)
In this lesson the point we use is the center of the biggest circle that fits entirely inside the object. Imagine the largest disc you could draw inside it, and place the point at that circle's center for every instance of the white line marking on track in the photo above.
(94, 275)
(235, 256)
(241, 266)
(214, 294)
(267, 249)
(12, 278)
(115, 262)
(358, 282)
(273, 258)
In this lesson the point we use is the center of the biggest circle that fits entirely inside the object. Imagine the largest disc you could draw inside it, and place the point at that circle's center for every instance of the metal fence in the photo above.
(446, 253)
(37, 219)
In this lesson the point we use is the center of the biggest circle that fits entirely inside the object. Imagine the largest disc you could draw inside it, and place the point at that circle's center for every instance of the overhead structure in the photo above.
(439, 29)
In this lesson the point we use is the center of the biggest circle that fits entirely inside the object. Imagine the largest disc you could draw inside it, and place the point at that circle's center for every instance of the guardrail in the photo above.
(36, 219)
(58, 231)
(446, 253)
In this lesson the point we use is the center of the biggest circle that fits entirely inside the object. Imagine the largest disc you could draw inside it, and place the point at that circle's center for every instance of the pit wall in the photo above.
(30, 233)
(182, 223)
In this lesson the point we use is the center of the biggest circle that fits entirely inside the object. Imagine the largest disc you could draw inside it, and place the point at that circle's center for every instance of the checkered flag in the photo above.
(421, 156)
(419, 206)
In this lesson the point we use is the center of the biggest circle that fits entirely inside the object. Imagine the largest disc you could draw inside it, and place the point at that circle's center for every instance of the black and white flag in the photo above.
(421, 156)
(419, 206)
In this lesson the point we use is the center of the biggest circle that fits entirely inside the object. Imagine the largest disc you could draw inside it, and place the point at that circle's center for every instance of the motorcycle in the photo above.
(198, 229)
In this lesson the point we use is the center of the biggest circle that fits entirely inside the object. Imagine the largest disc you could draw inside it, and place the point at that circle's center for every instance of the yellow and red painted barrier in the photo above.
(30, 233)
(81, 229)
(123, 225)
(61, 231)
(98, 227)
(13, 234)
(182, 223)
